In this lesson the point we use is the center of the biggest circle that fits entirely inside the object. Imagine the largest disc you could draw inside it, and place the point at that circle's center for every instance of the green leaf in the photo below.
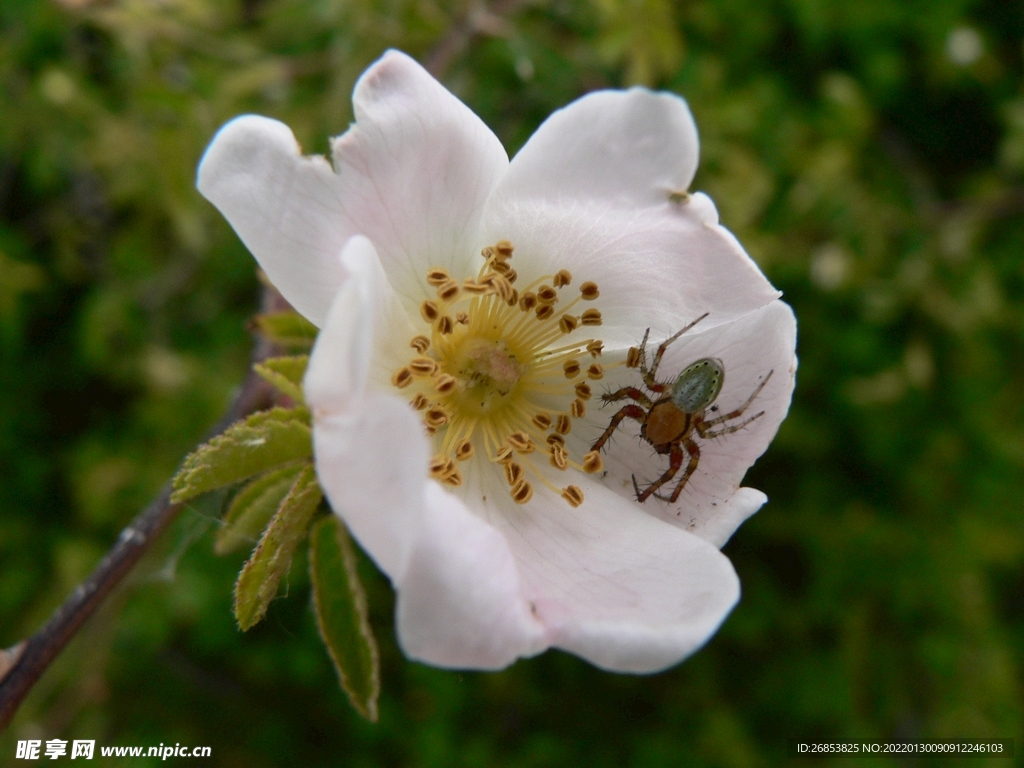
(263, 441)
(285, 373)
(341, 614)
(252, 508)
(298, 413)
(259, 578)
(289, 329)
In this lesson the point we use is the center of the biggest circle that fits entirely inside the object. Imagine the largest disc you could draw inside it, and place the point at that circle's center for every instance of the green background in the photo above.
(868, 153)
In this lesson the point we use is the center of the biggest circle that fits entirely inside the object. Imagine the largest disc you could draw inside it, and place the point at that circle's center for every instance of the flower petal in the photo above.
(460, 603)
(371, 462)
(600, 188)
(614, 585)
(712, 504)
(286, 208)
(418, 166)
(371, 453)
(633, 147)
(412, 174)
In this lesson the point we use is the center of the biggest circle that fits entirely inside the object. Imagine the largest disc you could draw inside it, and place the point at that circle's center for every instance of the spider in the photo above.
(669, 422)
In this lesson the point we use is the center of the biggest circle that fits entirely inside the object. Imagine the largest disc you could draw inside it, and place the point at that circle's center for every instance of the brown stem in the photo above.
(26, 662)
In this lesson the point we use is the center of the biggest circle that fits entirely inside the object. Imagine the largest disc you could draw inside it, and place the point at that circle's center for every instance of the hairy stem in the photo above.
(27, 661)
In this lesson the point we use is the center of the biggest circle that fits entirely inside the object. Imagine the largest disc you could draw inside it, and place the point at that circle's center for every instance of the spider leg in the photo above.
(675, 462)
(728, 430)
(643, 353)
(694, 451)
(631, 411)
(703, 426)
(631, 392)
(649, 379)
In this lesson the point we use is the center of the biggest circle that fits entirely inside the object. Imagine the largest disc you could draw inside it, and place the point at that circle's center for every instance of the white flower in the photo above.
(483, 501)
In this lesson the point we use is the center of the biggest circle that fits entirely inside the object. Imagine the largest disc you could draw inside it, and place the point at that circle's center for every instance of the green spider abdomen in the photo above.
(697, 387)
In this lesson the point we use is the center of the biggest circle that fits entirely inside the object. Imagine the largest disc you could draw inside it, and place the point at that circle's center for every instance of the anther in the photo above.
(541, 420)
(448, 290)
(521, 492)
(464, 449)
(402, 378)
(555, 439)
(436, 276)
(592, 462)
(445, 325)
(513, 298)
(562, 278)
(595, 348)
(501, 267)
(588, 291)
(472, 287)
(511, 275)
(462, 318)
(583, 391)
(501, 286)
(573, 495)
(544, 311)
(563, 425)
(571, 368)
(504, 455)
(633, 357)
(513, 473)
(429, 311)
(528, 301)
(445, 383)
(436, 416)
(423, 366)
(420, 343)
(441, 466)
(547, 295)
(504, 248)
(420, 402)
(591, 317)
(559, 457)
(454, 478)
(578, 408)
(595, 371)
(568, 323)
(520, 442)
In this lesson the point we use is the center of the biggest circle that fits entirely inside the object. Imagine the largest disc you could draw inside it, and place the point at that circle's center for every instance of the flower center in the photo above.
(506, 372)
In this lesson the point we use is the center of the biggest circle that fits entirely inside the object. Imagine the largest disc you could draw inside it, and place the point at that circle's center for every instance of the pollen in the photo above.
(423, 366)
(429, 311)
(496, 374)
(522, 492)
(573, 495)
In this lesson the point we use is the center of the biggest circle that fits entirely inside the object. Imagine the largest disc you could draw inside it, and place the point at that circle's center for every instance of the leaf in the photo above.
(285, 373)
(259, 578)
(252, 508)
(289, 329)
(341, 614)
(263, 441)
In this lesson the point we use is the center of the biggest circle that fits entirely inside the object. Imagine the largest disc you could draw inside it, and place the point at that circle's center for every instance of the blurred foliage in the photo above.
(869, 154)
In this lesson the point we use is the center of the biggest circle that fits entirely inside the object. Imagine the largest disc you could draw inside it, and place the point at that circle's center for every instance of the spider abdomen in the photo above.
(697, 387)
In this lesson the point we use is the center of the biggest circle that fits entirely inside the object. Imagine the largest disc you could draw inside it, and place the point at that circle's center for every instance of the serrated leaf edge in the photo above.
(293, 503)
(369, 709)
